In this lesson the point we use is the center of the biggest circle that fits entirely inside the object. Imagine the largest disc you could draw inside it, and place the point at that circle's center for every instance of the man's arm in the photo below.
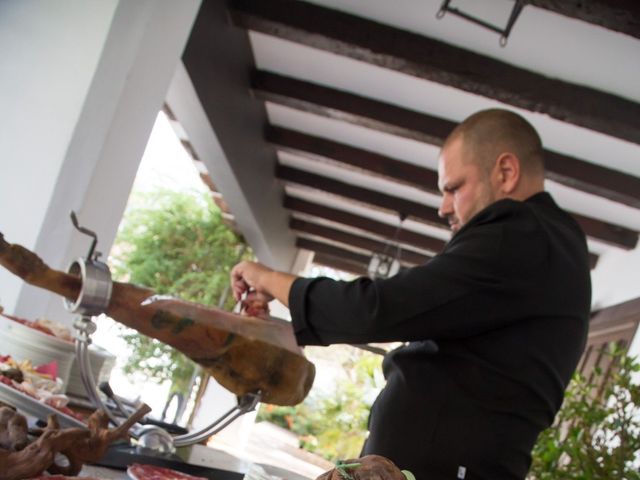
(247, 276)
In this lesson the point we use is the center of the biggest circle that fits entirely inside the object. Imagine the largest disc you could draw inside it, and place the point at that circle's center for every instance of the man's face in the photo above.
(466, 188)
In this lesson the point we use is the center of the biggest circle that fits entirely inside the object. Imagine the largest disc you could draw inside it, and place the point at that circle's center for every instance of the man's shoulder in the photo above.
(538, 211)
(528, 229)
(495, 218)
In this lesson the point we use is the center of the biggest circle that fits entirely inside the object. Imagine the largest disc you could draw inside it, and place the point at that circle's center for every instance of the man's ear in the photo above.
(508, 172)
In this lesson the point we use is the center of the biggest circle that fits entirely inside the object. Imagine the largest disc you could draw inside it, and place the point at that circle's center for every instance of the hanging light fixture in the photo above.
(386, 264)
(504, 32)
(383, 266)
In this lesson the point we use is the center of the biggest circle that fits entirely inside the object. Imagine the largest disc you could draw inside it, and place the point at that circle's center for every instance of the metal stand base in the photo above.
(247, 403)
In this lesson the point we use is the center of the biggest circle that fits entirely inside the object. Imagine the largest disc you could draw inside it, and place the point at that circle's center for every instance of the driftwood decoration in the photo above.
(79, 445)
(92, 448)
(39, 455)
(244, 354)
(13, 430)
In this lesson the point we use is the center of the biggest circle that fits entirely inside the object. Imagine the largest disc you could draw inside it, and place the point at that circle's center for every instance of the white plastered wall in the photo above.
(81, 83)
(616, 280)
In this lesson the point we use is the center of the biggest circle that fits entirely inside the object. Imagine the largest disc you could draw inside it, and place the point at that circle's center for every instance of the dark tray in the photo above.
(120, 456)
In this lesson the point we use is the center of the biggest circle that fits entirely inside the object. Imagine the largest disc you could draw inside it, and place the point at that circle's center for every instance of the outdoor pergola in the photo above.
(318, 123)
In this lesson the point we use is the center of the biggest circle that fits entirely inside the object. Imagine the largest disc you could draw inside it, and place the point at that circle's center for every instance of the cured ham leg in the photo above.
(244, 354)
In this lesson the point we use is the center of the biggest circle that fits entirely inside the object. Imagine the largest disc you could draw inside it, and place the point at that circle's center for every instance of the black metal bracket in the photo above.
(504, 32)
(92, 255)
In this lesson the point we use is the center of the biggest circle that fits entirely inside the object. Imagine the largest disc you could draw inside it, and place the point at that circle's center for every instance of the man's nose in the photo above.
(445, 207)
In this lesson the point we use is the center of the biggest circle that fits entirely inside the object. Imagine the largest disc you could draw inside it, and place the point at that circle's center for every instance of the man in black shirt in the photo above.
(495, 323)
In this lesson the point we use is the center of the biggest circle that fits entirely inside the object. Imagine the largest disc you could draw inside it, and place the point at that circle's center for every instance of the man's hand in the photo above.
(371, 467)
(247, 276)
(270, 284)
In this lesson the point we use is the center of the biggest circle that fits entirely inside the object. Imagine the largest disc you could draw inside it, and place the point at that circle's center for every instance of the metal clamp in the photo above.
(95, 291)
(96, 287)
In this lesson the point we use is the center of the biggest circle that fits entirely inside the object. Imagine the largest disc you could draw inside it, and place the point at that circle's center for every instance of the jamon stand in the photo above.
(93, 300)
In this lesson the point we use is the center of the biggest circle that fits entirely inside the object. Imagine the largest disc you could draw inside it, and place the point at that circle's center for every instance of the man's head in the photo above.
(493, 154)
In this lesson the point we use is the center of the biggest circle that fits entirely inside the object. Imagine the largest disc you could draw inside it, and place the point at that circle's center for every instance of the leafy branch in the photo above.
(596, 435)
(177, 244)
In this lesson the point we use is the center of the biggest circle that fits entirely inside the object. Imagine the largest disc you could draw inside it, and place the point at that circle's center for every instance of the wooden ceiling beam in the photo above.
(619, 15)
(404, 172)
(329, 249)
(330, 103)
(408, 237)
(560, 168)
(360, 269)
(433, 60)
(344, 106)
(321, 148)
(381, 200)
(375, 246)
(378, 228)
(615, 235)
(591, 178)
(338, 263)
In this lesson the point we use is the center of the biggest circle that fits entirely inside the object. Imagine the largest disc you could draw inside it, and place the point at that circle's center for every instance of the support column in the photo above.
(210, 98)
(80, 88)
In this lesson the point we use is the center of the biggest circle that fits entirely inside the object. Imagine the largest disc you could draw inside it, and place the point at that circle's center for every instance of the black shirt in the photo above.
(496, 324)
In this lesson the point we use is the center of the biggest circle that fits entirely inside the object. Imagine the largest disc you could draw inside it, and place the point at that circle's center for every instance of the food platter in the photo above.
(139, 471)
(30, 406)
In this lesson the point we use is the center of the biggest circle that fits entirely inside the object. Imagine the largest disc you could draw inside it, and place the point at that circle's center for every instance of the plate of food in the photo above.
(34, 407)
(139, 471)
(26, 340)
(34, 394)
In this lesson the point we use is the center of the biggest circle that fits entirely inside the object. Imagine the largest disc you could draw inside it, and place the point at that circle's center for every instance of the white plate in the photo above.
(29, 405)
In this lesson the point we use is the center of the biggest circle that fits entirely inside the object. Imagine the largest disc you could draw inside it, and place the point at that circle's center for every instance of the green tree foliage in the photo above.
(334, 424)
(596, 435)
(176, 244)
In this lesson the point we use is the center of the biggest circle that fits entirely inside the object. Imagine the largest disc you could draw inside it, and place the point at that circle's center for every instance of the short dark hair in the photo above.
(488, 133)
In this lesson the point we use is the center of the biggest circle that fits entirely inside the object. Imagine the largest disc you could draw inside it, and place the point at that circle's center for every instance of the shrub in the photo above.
(596, 435)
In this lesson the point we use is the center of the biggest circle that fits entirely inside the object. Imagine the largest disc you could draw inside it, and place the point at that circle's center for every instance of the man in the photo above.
(506, 304)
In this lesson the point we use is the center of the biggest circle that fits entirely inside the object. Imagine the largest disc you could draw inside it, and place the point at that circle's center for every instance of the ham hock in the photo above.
(244, 354)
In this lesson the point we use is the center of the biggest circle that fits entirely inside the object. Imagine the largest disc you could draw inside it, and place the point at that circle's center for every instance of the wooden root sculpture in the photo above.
(79, 445)
(244, 354)
(94, 446)
(39, 455)
(13, 430)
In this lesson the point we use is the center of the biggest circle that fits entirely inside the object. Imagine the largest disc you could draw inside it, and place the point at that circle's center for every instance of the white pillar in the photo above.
(257, 207)
(301, 262)
(81, 82)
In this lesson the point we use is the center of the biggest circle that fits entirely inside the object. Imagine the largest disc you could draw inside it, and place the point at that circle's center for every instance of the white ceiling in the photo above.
(541, 41)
